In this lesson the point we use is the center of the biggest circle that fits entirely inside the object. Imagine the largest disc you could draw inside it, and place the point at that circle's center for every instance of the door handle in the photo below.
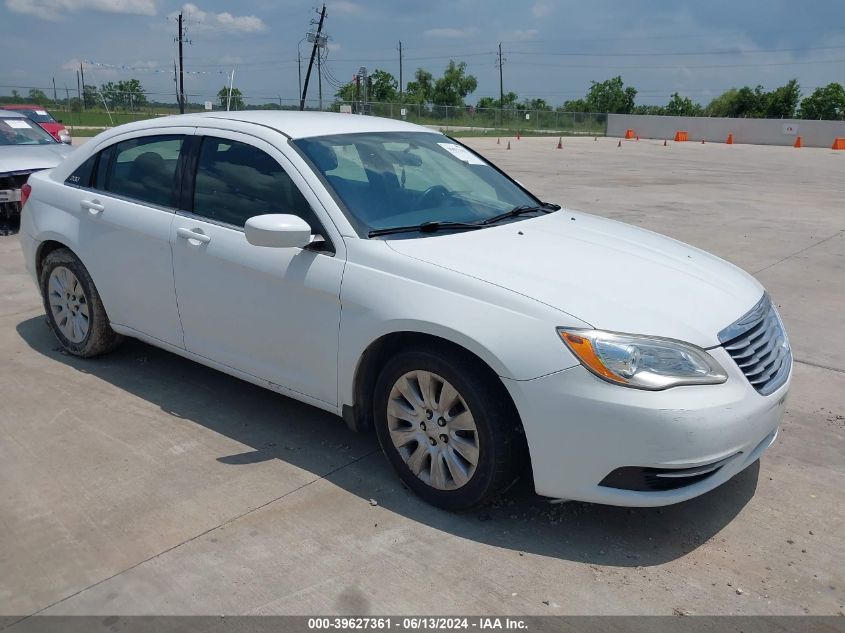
(188, 234)
(93, 206)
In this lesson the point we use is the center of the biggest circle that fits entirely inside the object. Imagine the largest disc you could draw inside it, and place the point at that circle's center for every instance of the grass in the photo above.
(482, 123)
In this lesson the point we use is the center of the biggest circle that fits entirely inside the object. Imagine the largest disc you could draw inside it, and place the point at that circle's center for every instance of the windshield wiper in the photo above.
(545, 207)
(425, 227)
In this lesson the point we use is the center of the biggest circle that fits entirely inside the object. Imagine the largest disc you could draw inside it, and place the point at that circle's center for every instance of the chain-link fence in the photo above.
(99, 111)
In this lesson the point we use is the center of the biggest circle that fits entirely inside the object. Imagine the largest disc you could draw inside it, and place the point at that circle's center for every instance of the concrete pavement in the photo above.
(141, 483)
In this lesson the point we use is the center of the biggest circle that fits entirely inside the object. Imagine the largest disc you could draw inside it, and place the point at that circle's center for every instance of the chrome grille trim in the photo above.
(759, 346)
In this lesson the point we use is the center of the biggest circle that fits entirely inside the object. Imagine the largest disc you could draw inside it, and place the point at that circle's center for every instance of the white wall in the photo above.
(716, 130)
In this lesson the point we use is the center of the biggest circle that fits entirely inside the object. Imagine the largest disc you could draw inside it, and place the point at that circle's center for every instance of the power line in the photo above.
(676, 54)
(686, 66)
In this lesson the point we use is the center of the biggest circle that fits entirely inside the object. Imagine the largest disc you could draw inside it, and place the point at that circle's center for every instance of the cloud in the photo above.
(343, 6)
(208, 21)
(541, 9)
(520, 35)
(54, 9)
(450, 33)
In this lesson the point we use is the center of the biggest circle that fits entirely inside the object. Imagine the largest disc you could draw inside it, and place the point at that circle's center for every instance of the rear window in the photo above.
(39, 116)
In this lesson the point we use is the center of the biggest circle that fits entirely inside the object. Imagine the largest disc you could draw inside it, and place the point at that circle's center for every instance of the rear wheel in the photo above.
(447, 428)
(75, 312)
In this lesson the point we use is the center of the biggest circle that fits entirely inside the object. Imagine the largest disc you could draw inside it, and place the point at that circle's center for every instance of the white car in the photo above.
(388, 274)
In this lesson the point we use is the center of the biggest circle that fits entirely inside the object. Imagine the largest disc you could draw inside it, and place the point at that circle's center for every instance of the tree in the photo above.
(421, 89)
(383, 87)
(722, 105)
(825, 103)
(782, 102)
(681, 106)
(510, 99)
(656, 110)
(89, 96)
(37, 96)
(111, 94)
(535, 104)
(453, 87)
(611, 96)
(574, 105)
(235, 103)
(132, 94)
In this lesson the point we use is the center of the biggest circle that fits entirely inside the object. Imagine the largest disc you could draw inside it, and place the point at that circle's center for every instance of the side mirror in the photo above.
(277, 231)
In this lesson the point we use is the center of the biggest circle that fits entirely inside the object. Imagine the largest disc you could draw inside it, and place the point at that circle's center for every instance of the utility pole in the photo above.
(181, 69)
(501, 82)
(299, 67)
(175, 82)
(78, 90)
(400, 71)
(82, 73)
(320, 77)
(55, 96)
(311, 62)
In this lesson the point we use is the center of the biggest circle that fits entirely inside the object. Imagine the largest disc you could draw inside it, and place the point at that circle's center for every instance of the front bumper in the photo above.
(580, 429)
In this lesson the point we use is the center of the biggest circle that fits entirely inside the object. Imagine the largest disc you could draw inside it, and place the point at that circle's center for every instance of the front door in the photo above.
(273, 313)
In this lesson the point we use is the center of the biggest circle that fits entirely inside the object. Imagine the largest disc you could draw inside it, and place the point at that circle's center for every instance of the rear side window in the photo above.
(144, 169)
(235, 181)
(82, 175)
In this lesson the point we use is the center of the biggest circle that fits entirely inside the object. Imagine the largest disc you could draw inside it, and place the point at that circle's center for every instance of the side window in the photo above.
(145, 169)
(235, 181)
(81, 177)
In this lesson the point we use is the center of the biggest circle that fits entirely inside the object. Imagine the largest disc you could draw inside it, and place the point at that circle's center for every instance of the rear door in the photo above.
(273, 313)
(124, 230)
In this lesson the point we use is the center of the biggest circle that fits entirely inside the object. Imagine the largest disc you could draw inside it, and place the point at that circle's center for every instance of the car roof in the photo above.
(22, 106)
(291, 123)
(11, 114)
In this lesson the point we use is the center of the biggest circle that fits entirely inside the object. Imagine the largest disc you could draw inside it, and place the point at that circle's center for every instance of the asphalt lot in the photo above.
(141, 483)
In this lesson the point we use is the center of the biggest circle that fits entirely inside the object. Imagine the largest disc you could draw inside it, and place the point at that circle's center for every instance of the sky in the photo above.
(552, 49)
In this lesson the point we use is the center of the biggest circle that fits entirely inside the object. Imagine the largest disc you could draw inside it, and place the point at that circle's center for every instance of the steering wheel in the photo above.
(431, 195)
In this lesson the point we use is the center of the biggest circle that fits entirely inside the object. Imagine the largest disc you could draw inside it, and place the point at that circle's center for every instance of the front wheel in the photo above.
(447, 428)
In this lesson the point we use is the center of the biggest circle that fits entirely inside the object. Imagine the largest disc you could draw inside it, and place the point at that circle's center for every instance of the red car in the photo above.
(43, 118)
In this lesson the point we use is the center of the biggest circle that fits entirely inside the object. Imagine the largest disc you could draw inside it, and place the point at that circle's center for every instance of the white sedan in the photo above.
(388, 274)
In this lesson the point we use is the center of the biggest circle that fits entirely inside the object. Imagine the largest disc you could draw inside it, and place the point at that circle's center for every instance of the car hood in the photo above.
(611, 275)
(16, 158)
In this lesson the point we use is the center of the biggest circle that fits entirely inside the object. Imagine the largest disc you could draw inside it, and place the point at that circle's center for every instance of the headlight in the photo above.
(643, 362)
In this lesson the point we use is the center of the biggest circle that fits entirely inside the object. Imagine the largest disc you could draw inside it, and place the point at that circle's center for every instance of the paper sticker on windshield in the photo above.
(21, 125)
(462, 153)
(41, 112)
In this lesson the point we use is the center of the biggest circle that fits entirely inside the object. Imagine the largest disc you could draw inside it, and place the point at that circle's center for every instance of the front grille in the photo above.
(10, 211)
(758, 344)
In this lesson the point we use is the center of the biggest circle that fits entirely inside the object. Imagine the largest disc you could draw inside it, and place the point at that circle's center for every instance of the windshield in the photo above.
(389, 179)
(19, 131)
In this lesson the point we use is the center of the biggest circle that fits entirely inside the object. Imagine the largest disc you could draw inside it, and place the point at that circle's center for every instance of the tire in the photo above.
(447, 477)
(76, 316)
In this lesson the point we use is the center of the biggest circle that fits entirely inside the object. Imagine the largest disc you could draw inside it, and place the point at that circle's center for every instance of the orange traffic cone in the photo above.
(509, 144)
(629, 134)
(798, 142)
(730, 140)
(638, 138)
(560, 142)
